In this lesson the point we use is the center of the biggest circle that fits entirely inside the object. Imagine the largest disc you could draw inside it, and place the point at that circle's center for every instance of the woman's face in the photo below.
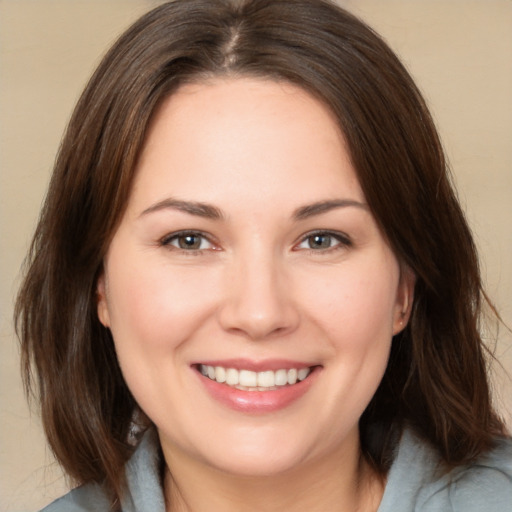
(248, 253)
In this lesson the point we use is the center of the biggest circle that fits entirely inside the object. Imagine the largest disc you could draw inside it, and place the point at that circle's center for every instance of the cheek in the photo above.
(356, 304)
(154, 313)
(154, 307)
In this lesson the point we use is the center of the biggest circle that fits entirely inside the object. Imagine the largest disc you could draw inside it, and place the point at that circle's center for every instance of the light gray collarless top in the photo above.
(415, 482)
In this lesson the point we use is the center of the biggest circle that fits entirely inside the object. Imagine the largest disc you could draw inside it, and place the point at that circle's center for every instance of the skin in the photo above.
(256, 285)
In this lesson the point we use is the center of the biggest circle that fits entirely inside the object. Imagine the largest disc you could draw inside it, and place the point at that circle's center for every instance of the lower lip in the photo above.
(258, 402)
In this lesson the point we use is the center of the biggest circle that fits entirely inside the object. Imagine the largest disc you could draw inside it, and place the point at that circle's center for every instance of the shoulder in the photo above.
(88, 498)
(418, 482)
(484, 485)
(144, 488)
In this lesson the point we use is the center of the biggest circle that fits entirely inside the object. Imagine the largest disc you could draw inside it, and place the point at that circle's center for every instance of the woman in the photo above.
(252, 286)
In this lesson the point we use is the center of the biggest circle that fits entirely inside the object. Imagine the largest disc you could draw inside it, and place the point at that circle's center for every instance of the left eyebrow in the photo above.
(191, 207)
(310, 210)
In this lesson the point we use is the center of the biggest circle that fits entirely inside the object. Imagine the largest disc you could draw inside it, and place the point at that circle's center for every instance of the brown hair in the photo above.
(436, 379)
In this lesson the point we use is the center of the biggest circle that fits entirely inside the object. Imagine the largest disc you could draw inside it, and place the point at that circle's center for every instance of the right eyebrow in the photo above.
(310, 210)
(196, 208)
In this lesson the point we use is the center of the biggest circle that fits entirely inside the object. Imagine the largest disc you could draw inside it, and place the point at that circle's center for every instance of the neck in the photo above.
(339, 482)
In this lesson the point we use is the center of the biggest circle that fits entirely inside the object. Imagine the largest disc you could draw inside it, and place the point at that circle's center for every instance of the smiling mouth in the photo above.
(247, 380)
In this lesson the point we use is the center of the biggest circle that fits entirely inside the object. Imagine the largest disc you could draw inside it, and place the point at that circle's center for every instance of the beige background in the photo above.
(460, 52)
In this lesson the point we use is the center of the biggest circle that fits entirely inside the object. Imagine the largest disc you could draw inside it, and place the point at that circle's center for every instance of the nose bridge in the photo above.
(258, 301)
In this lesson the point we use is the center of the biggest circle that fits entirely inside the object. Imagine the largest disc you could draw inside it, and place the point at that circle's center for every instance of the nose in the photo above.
(258, 303)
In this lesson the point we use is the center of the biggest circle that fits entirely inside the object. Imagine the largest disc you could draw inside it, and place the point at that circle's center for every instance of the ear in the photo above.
(101, 297)
(404, 299)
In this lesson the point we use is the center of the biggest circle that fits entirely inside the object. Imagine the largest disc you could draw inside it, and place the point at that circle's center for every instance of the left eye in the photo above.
(322, 241)
(188, 241)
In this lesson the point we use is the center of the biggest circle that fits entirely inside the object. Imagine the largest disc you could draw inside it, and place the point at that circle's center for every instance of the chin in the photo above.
(264, 454)
(258, 465)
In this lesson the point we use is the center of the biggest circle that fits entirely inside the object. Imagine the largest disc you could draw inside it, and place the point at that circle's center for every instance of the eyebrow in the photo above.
(310, 210)
(191, 207)
(209, 211)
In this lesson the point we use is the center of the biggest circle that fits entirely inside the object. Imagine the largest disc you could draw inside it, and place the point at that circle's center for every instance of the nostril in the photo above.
(258, 301)
(258, 321)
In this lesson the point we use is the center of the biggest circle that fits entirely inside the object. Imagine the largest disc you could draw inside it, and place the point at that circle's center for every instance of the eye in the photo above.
(188, 241)
(323, 240)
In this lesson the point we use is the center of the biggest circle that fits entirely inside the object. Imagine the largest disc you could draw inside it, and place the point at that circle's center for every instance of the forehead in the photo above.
(244, 136)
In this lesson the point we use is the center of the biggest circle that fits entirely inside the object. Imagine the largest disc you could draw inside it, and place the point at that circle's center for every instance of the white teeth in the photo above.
(232, 377)
(247, 378)
(254, 381)
(220, 374)
(281, 377)
(266, 379)
(303, 373)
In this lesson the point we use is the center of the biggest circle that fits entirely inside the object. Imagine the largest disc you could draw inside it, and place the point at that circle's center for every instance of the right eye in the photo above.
(187, 241)
(324, 241)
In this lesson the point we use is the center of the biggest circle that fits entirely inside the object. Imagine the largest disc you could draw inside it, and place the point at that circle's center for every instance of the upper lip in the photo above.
(256, 365)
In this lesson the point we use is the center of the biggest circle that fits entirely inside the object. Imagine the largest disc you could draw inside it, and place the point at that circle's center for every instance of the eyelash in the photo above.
(343, 241)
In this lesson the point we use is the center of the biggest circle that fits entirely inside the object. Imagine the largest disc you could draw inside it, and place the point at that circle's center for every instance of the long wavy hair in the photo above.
(436, 380)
